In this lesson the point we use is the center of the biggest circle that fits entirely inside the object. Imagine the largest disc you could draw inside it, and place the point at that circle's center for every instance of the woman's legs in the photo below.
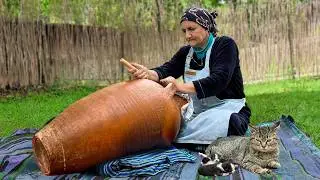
(238, 125)
(239, 122)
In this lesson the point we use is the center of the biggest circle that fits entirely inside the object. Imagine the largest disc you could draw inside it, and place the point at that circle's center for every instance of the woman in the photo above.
(212, 78)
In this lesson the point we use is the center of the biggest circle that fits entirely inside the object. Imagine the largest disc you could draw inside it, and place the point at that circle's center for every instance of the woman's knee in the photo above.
(237, 125)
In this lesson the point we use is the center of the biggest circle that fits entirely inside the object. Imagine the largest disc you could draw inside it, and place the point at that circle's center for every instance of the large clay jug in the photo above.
(115, 121)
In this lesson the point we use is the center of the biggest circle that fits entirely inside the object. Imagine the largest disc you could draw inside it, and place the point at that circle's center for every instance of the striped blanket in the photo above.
(147, 163)
(299, 158)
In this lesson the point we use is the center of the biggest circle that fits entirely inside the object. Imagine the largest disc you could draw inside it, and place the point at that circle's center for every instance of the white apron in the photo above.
(206, 119)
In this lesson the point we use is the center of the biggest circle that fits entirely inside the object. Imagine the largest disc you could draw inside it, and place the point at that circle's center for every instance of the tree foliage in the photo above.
(12, 7)
(110, 13)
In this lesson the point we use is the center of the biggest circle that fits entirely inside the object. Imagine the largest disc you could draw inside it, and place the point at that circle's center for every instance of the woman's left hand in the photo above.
(168, 80)
(181, 87)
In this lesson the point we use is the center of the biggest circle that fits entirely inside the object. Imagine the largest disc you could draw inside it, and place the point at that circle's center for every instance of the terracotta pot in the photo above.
(115, 121)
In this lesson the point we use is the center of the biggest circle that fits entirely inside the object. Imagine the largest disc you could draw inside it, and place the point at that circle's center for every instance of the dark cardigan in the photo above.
(225, 80)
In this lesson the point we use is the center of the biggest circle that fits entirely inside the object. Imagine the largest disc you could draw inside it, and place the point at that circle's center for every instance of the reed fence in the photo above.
(276, 40)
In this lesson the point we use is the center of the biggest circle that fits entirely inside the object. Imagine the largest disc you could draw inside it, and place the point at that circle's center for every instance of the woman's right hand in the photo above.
(139, 71)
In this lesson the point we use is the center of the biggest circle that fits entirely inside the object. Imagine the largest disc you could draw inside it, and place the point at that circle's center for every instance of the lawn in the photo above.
(298, 98)
(268, 101)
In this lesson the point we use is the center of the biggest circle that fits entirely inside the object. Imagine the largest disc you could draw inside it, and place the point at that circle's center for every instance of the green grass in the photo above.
(298, 98)
(268, 101)
(36, 108)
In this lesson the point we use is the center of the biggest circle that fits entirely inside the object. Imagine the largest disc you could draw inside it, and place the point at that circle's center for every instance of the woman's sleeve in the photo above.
(174, 67)
(226, 59)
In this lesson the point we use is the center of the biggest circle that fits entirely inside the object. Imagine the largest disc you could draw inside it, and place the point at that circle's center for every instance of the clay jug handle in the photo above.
(170, 89)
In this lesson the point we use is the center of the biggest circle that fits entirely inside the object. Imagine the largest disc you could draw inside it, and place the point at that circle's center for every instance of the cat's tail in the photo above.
(214, 167)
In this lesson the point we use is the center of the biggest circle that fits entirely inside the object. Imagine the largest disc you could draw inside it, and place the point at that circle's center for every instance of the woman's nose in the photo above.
(188, 35)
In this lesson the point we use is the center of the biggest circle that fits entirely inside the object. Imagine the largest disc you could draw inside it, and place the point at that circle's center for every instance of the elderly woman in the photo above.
(212, 78)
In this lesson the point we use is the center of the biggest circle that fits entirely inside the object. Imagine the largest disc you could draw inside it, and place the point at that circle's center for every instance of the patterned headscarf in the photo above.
(201, 17)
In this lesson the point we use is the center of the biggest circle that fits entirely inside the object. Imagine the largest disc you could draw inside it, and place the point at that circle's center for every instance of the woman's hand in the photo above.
(168, 80)
(181, 87)
(139, 71)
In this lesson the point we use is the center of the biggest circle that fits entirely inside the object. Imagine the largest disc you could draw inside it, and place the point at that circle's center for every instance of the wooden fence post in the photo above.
(122, 54)
(290, 39)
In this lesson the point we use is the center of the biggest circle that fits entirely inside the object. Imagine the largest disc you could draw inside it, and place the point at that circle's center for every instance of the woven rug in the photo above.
(299, 159)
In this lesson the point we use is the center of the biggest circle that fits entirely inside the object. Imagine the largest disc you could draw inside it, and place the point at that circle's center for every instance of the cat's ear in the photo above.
(205, 158)
(203, 155)
(276, 125)
(253, 129)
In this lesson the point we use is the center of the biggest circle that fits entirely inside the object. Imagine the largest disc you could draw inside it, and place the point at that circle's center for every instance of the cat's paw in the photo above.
(274, 164)
(262, 171)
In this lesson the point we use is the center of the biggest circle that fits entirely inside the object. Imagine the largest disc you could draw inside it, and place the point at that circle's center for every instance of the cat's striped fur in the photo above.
(257, 153)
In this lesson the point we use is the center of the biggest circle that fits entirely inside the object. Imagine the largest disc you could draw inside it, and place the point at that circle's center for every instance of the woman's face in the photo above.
(195, 34)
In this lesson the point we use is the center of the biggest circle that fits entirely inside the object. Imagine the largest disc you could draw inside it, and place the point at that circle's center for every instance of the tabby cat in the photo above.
(257, 153)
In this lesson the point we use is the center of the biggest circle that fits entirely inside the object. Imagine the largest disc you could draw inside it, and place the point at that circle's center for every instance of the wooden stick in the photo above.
(127, 64)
